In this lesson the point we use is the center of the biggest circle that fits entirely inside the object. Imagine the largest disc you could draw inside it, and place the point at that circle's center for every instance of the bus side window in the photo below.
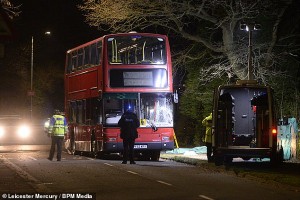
(94, 54)
(87, 55)
(99, 52)
(69, 64)
(95, 111)
(72, 112)
(74, 60)
(81, 108)
(80, 58)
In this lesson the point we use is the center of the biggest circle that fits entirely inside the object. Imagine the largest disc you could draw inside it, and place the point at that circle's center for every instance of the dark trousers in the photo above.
(209, 151)
(56, 140)
(128, 146)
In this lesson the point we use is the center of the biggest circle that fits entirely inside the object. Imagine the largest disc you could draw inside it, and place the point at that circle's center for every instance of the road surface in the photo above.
(25, 170)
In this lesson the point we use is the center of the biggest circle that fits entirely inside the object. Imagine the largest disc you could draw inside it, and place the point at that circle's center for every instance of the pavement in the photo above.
(198, 154)
(188, 155)
(192, 155)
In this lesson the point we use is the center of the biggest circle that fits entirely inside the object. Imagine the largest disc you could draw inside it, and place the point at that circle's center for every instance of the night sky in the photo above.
(61, 17)
(68, 30)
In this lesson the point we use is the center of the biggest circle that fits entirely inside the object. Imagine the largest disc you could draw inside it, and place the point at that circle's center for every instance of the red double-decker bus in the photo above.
(106, 76)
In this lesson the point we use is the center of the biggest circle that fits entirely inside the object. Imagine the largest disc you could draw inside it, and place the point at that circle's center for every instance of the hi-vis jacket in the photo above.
(207, 122)
(58, 126)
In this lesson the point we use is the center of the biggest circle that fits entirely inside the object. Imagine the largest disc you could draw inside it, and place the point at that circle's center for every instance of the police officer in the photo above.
(128, 124)
(57, 130)
(207, 122)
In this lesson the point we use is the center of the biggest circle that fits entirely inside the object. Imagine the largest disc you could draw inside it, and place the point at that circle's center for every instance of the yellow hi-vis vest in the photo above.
(58, 126)
(207, 122)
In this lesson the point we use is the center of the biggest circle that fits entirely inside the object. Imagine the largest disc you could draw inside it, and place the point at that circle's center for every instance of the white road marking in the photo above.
(108, 164)
(205, 197)
(165, 183)
(132, 172)
(32, 158)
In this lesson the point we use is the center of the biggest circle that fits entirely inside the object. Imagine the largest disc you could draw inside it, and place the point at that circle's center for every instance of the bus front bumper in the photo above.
(139, 146)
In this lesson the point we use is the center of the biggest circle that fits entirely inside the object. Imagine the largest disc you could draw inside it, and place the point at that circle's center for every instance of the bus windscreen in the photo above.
(136, 50)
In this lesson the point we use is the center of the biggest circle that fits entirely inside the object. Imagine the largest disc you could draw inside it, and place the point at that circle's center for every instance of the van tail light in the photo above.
(274, 131)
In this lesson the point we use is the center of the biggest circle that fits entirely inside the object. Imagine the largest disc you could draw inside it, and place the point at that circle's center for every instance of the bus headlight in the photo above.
(165, 138)
(24, 131)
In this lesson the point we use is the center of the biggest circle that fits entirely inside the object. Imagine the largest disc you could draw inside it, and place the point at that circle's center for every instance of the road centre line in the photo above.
(165, 183)
(135, 173)
(108, 164)
(205, 197)
(132, 172)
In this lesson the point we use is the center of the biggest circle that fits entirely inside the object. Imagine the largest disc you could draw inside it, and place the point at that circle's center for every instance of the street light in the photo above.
(250, 27)
(31, 92)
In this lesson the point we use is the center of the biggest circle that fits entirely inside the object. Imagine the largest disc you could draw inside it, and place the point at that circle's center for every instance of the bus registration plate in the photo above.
(140, 146)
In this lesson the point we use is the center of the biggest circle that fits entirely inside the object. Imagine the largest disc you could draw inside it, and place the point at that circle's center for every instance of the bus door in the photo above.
(94, 123)
(83, 130)
(114, 105)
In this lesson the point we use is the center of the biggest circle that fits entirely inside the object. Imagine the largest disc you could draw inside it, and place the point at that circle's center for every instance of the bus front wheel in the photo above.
(94, 146)
(72, 147)
(155, 155)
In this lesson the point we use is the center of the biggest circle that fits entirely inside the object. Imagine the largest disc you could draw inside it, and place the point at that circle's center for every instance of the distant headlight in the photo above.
(1, 131)
(24, 131)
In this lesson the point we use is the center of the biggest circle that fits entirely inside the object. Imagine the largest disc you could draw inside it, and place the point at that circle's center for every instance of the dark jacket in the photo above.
(128, 125)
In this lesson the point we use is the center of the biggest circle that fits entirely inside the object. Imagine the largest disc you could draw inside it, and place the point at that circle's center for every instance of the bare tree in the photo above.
(185, 17)
(9, 8)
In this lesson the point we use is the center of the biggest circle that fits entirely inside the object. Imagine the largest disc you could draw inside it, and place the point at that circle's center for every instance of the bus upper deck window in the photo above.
(69, 64)
(136, 50)
(87, 55)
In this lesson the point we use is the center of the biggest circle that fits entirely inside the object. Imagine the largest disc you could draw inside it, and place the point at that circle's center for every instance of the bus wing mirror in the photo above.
(175, 96)
(154, 128)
